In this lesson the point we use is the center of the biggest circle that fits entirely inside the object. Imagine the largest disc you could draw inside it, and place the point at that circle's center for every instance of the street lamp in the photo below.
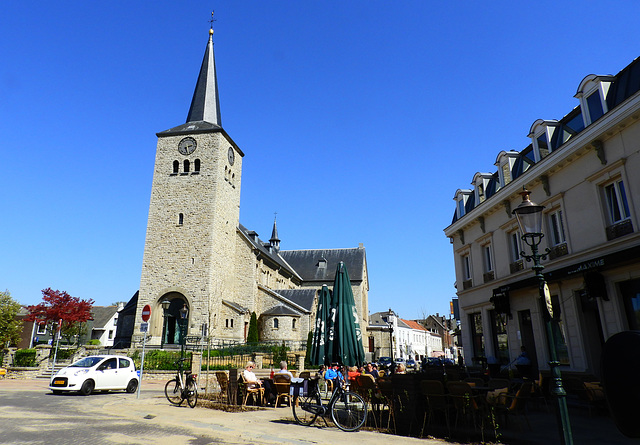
(391, 318)
(165, 311)
(529, 216)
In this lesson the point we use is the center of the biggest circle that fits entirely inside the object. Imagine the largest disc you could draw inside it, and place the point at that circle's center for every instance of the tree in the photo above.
(59, 305)
(10, 327)
(252, 335)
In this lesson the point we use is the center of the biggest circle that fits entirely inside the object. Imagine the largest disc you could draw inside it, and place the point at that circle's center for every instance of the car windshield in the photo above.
(87, 362)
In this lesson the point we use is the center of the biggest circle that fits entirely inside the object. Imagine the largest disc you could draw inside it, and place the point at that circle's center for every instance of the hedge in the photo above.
(25, 358)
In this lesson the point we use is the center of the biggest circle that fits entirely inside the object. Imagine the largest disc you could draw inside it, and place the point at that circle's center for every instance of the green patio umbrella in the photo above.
(319, 354)
(345, 336)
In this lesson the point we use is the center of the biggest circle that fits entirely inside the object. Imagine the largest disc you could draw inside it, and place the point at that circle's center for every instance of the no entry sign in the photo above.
(146, 313)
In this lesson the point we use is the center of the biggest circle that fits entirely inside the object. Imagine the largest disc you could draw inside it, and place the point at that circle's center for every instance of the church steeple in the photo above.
(205, 105)
(275, 241)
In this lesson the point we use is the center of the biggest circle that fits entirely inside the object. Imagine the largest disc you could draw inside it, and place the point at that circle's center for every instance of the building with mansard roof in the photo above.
(582, 169)
(199, 256)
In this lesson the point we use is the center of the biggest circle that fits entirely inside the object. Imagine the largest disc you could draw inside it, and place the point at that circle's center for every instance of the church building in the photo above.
(198, 256)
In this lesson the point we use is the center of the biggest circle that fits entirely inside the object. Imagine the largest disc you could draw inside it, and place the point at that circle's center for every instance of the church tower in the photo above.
(189, 253)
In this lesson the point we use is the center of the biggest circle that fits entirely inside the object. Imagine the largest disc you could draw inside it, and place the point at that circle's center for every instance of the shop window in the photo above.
(500, 337)
(477, 337)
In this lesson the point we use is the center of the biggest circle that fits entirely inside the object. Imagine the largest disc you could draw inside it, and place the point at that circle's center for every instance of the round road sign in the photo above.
(146, 312)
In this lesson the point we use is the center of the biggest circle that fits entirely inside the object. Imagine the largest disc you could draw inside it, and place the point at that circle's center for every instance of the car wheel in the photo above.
(87, 387)
(132, 386)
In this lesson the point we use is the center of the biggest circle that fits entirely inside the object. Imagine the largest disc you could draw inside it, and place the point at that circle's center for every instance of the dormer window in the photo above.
(505, 162)
(542, 132)
(461, 198)
(592, 93)
(480, 182)
(594, 103)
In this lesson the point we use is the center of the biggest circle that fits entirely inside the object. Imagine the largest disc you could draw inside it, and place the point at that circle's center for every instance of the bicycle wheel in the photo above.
(173, 392)
(192, 393)
(306, 408)
(349, 412)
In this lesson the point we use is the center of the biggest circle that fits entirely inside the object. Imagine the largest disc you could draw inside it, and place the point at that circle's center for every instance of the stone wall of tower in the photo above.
(194, 255)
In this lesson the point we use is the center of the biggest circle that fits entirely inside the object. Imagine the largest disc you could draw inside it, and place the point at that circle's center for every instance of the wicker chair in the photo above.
(250, 390)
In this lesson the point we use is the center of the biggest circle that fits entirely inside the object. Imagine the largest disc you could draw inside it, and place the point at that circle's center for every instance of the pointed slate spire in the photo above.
(275, 241)
(205, 105)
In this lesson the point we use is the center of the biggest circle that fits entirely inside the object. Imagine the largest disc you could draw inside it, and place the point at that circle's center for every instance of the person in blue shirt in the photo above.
(332, 372)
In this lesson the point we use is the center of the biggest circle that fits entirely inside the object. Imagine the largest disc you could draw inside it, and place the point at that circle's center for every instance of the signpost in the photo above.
(144, 327)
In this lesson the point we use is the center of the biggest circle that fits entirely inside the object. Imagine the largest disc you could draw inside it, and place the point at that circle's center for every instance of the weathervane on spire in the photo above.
(212, 20)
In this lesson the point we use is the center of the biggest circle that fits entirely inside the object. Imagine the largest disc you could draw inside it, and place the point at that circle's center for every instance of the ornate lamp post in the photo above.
(184, 314)
(529, 217)
(391, 318)
(165, 311)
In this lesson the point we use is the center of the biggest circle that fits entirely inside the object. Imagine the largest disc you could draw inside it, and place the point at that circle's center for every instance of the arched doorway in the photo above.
(171, 318)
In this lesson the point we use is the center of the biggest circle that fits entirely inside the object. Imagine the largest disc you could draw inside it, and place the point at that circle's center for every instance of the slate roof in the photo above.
(281, 310)
(302, 297)
(102, 314)
(378, 319)
(236, 307)
(308, 263)
(265, 250)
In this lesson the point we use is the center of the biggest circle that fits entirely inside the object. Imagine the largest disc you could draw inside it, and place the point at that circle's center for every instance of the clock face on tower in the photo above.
(187, 146)
(231, 155)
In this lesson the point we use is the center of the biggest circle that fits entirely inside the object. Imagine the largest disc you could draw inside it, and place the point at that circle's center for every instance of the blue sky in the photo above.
(359, 120)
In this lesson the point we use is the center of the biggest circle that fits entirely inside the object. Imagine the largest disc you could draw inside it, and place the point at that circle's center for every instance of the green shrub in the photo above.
(95, 342)
(158, 360)
(25, 358)
(64, 354)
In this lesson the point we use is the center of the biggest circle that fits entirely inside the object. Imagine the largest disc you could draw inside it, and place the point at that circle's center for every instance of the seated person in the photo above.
(332, 373)
(283, 370)
(250, 378)
(371, 370)
(353, 373)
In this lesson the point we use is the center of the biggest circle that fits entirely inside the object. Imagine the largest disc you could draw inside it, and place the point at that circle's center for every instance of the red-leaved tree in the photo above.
(58, 305)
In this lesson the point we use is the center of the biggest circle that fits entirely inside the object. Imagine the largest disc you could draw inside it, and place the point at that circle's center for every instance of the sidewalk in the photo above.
(264, 426)
(277, 426)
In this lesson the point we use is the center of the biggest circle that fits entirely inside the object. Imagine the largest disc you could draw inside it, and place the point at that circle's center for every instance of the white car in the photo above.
(97, 372)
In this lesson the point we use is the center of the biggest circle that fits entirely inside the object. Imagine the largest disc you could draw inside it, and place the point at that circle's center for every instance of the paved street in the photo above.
(30, 414)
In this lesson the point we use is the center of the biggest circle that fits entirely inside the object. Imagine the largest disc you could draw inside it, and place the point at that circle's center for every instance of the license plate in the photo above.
(58, 382)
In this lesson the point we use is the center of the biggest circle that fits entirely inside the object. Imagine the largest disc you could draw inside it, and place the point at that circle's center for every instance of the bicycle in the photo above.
(348, 409)
(182, 387)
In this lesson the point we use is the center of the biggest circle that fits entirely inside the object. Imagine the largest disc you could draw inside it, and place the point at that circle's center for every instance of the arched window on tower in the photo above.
(196, 166)
(275, 323)
(186, 166)
(180, 219)
(293, 323)
(176, 166)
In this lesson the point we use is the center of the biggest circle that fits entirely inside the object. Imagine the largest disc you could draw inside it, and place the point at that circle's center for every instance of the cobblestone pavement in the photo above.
(30, 414)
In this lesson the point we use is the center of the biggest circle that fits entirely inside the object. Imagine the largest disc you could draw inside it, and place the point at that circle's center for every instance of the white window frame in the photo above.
(466, 267)
(514, 251)
(41, 329)
(487, 257)
(560, 237)
(622, 202)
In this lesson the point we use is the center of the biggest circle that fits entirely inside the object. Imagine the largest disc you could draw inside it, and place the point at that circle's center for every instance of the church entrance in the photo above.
(171, 334)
